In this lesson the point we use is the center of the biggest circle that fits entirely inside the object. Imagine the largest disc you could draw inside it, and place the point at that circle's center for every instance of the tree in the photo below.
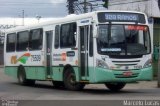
(105, 3)
(159, 4)
(70, 6)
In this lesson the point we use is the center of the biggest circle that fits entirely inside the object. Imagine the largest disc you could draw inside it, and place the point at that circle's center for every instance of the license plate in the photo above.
(127, 74)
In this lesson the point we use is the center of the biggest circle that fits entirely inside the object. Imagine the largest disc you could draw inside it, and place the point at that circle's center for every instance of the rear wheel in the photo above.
(22, 78)
(70, 80)
(115, 86)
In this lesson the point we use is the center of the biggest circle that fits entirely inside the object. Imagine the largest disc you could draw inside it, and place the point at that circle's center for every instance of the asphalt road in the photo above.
(97, 94)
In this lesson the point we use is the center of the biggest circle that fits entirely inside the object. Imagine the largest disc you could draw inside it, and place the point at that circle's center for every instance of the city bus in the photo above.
(101, 47)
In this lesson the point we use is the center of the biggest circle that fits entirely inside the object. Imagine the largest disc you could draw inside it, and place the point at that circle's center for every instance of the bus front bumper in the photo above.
(104, 75)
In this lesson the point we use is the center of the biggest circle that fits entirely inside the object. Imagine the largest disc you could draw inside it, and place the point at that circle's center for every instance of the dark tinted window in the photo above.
(11, 41)
(22, 40)
(91, 42)
(36, 36)
(123, 40)
(56, 40)
(68, 33)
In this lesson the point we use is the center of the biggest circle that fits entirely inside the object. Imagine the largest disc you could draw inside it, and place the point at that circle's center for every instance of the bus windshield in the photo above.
(123, 40)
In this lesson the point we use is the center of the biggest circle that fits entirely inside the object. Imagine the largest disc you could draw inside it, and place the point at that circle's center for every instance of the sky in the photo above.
(44, 8)
(11, 10)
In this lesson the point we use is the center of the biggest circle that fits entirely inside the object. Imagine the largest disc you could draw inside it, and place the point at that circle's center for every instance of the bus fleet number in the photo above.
(36, 58)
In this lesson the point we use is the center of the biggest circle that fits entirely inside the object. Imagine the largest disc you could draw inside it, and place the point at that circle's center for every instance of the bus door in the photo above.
(49, 36)
(84, 32)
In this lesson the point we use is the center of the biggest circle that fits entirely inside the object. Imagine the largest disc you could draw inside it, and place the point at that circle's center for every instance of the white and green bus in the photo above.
(101, 47)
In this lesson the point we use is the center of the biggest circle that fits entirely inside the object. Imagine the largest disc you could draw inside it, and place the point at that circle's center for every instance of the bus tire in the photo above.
(22, 77)
(30, 82)
(58, 84)
(115, 87)
(70, 80)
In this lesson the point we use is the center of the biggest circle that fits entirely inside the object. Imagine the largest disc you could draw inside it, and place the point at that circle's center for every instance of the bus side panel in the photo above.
(91, 74)
(11, 71)
(32, 61)
(30, 72)
(57, 73)
(38, 73)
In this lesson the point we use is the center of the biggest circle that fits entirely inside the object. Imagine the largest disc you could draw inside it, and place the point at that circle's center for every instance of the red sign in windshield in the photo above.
(135, 27)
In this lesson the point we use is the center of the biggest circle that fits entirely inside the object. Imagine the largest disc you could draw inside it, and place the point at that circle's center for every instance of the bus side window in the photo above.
(22, 41)
(36, 35)
(11, 42)
(91, 42)
(67, 35)
(56, 40)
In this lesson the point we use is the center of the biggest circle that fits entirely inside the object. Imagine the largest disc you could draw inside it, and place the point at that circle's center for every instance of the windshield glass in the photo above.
(123, 40)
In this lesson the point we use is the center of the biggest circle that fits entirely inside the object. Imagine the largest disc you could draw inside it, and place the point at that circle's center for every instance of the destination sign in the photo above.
(121, 17)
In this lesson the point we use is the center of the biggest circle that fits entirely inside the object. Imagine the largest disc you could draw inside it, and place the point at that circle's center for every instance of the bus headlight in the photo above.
(101, 64)
(148, 63)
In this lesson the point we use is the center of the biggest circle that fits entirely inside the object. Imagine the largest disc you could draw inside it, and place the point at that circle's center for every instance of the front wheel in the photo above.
(70, 80)
(115, 86)
(58, 84)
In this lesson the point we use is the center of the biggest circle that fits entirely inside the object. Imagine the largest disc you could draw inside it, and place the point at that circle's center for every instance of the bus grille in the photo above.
(122, 76)
(125, 62)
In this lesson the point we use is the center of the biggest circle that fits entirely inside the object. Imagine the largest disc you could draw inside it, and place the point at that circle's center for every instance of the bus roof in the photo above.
(71, 17)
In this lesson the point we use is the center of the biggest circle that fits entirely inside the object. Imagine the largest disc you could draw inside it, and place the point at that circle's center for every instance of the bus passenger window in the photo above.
(11, 40)
(22, 41)
(91, 42)
(56, 40)
(36, 35)
(67, 37)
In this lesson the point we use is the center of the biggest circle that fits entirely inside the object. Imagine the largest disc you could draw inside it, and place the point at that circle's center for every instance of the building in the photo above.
(152, 10)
